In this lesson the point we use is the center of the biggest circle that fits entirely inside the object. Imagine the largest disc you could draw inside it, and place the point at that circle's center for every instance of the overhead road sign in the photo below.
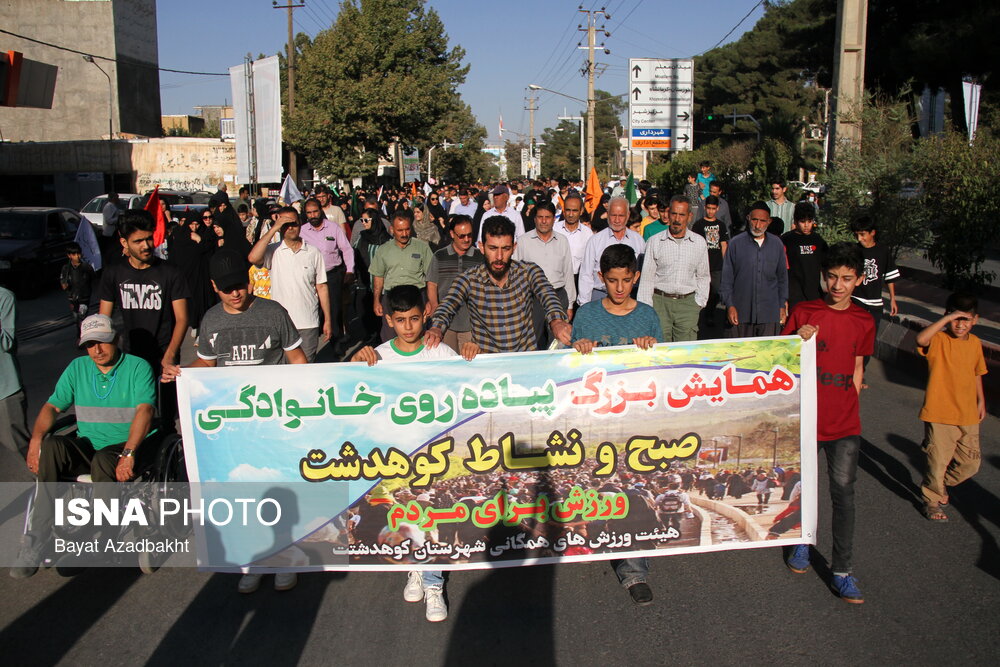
(661, 102)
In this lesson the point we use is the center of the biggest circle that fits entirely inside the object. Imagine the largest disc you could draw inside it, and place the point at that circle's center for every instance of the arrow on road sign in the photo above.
(683, 138)
(636, 91)
(684, 116)
(636, 70)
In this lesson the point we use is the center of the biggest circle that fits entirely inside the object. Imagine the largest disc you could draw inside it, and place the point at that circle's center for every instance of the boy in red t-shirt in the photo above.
(845, 334)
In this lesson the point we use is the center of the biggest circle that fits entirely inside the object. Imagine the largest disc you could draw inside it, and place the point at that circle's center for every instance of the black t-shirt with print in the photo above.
(145, 299)
(715, 234)
(805, 257)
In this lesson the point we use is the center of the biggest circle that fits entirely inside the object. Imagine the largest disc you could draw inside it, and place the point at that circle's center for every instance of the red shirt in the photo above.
(843, 335)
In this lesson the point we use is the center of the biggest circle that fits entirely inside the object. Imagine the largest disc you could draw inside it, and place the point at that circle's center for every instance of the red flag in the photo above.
(153, 206)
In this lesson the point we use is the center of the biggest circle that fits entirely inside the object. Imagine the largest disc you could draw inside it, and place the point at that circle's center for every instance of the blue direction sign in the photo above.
(651, 132)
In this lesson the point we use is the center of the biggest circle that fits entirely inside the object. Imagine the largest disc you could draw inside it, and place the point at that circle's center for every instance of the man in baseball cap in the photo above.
(97, 328)
(244, 330)
(114, 396)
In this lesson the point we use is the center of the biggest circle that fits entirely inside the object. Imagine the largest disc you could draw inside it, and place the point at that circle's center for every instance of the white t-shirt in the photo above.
(294, 276)
(387, 352)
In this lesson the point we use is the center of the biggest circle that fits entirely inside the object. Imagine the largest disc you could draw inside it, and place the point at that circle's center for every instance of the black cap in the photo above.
(228, 268)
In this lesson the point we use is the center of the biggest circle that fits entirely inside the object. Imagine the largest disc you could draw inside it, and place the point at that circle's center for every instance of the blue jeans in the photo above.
(433, 579)
(842, 468)
(631, 570)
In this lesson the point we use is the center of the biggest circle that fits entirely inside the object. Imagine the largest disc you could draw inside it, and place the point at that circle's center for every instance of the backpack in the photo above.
(670, 502)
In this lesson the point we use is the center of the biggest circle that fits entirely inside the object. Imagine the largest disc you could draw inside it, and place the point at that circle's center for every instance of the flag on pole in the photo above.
(379, 195)
(336, 192)
(153, 206)
(289, 191)
(501, 127)
(593, 192)
(630, 194)
(87, 240)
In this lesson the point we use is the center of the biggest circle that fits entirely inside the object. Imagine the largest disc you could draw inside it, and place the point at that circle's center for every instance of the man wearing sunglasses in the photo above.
(446, 265)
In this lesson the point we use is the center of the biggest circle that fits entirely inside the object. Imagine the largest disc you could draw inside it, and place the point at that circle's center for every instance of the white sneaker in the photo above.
(437, 610)
(249, 583)
(414, 590)
(285, 581)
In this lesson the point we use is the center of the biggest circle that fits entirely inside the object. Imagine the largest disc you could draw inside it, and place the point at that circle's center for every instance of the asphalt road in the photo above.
(932, 589)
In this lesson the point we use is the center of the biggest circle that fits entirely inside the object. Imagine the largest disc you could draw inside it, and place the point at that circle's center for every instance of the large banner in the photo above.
(510, 459)
(266, 116)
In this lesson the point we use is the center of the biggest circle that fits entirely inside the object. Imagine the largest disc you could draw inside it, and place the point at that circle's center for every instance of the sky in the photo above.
(524, 43)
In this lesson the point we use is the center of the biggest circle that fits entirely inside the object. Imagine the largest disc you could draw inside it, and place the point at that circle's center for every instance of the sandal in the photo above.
(935, 513)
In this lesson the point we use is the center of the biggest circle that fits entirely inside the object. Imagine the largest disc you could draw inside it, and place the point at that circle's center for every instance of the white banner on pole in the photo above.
(267, 119)
(971, 92)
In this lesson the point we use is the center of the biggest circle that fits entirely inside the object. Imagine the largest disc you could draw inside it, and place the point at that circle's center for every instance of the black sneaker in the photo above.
(641, 593)
(29, 558)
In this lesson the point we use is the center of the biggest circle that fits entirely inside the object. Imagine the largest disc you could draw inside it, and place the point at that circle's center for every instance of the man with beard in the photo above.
(617, 231)
(675, 277)
(754, 283)
(499, 295)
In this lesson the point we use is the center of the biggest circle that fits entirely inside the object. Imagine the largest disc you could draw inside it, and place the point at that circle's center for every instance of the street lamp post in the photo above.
(579, 120)
(590, 120)
(111, 117)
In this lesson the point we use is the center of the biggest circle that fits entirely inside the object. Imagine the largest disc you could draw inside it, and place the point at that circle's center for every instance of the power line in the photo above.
(752, 9)
(555, 49)
(112, 60)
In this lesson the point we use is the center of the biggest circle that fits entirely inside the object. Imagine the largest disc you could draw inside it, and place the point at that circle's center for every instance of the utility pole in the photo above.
(293, 166)
(531, 109)
(848, 73)
(591, 71)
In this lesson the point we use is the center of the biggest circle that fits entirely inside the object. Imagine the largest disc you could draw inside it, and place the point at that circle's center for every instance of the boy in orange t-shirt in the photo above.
(954, 404)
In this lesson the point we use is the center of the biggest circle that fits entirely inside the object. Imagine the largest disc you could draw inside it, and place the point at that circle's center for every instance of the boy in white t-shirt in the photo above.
(405, 315)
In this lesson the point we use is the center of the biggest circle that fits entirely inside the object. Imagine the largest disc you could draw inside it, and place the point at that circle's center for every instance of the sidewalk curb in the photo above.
(897, 345)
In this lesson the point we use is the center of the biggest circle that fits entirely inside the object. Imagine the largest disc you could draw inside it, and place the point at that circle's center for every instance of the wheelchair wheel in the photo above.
(169, 481)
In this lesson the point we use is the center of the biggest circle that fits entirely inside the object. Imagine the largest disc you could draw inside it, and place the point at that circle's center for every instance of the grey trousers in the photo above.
(14, 423)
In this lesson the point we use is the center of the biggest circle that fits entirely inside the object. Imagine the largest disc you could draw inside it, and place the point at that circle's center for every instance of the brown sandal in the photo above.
(935, 513)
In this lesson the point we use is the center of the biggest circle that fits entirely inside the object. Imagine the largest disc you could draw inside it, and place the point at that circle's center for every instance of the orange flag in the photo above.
(153, 206)
(592, 196)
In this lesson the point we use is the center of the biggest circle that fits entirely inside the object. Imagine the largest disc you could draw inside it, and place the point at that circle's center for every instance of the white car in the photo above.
(94, 209)
(813, 186)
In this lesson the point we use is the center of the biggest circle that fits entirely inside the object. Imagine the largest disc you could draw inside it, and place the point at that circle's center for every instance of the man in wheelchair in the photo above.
(114, 395)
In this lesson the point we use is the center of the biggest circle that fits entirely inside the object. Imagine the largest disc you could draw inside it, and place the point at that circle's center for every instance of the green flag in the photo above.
(630, 194)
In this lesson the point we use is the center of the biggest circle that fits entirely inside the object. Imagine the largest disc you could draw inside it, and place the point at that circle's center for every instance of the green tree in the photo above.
(458, 126)
(384, 71)
(959, 199)
(561, 153)
(870, 177)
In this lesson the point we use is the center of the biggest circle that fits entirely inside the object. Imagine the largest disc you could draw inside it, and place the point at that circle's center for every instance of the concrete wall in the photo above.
(62, 173)
(124, 29)
(180, 163)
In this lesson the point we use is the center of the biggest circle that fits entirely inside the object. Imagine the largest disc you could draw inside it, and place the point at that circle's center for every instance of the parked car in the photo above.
(172, 197)
(94, 209)
(813, 186)
(33, 242)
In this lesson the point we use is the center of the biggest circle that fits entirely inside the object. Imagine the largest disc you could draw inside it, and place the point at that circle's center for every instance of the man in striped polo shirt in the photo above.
(114, 395)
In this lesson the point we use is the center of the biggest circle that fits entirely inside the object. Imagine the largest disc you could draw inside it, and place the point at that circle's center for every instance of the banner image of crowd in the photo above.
(510, 459)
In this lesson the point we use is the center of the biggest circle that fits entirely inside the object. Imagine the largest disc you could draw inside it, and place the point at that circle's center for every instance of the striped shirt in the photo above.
(500, 316)
(675, 266)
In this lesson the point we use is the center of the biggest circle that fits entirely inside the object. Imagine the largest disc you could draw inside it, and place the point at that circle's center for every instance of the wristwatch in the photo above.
(127, 454)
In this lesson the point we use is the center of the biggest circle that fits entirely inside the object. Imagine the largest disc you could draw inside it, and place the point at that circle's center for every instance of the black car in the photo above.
(33, 242)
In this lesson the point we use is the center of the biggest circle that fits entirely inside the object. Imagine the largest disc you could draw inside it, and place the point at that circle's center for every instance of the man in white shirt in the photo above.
(675, 275)
(551, 252)
(501, 197)
(464, 206)
(591, 287)
(575, 232)
(298, 278)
